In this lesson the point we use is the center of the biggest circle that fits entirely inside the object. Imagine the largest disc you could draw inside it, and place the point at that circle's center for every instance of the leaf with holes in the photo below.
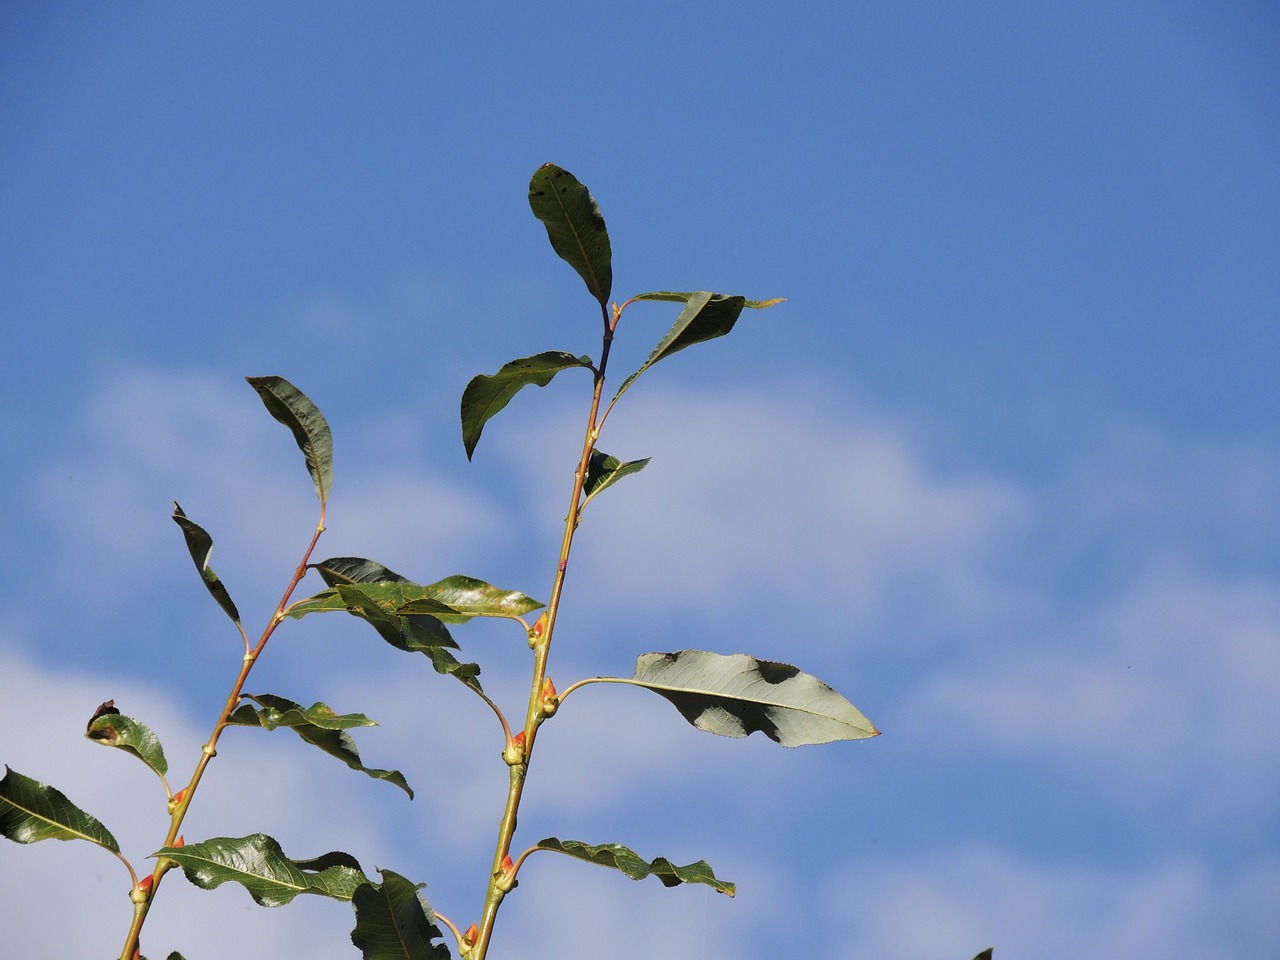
(618, 857)
(319, 726)
(200, 545)
(704, 316)
(259, 865)
(734, 696)
(575, 226)
(485, 395)
(395, 922)
(109, 727)
(294, 409)
(31, 811)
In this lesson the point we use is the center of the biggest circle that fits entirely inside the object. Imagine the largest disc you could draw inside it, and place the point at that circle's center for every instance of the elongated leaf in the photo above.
(200, 545)
(282, 712)
(461, 598)
(317, 725)
(259, 865)
(32, 811)
(338, 570)
(111, 728)
(378, 604)
(618, 857)
(603, 471)
(985, 954)
(734, 696)
(705, 316)
(486, 395)
(395, 922)
(295, 410)
(575, 226)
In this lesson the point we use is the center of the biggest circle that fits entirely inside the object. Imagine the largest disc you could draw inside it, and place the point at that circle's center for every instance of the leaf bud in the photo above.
(550, 699)
(505, 878)
(140, 893)
(514, 753)
(176, 799)
(538, 631)
(469, 938)
(179, 842)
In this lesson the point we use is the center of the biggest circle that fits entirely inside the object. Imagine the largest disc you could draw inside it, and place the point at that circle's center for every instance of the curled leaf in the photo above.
(317, 725)
(485, 395)
(111, 728)
(618, 857)
(200, 546)
(294, 409)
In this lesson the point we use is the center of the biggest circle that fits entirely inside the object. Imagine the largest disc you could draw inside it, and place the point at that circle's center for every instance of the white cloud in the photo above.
(954, 904)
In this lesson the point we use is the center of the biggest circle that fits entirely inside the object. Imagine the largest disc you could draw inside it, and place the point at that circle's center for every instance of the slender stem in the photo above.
(209, 750)
(499, 878)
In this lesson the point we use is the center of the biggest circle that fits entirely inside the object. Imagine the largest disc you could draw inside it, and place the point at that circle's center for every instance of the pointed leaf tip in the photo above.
(294, 409)
(31, 811)
(575, 226)
(200, 546)
(486, 395)
(734, 696)
(619, 857)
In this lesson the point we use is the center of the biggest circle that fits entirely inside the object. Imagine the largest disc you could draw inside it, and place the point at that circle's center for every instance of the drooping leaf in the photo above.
(461, 598)
(622, 858)
(378, 603)
(258, 864)
(32, 811)
(200, 545)
(111, 728)
(317, 725)
(282, 712)
(736, 695)
(575, 226)
(395, 922)
(486, 395)
(704, 316)
(295, 410)
(603, 471)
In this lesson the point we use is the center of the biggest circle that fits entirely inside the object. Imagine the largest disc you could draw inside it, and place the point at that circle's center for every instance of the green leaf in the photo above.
(734, 696)
(622, 858)
(295, 410)
(317, 725)
(460, 598)
(200, 545)
(603, 471)
(32, 811)
(338, 570)
(111, 728)
(705, 316)
(376, 604)
(486, 395)
(575, 226)
(395, 922)
(259, 865)
(985, 954)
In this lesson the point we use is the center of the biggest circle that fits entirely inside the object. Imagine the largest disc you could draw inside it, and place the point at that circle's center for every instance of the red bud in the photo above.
(146, 882)
(507, 865)
(518, 738)
(179, 842)
(469, 938)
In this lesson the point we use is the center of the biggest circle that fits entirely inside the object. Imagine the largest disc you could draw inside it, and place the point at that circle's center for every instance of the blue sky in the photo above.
(1004, 469)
